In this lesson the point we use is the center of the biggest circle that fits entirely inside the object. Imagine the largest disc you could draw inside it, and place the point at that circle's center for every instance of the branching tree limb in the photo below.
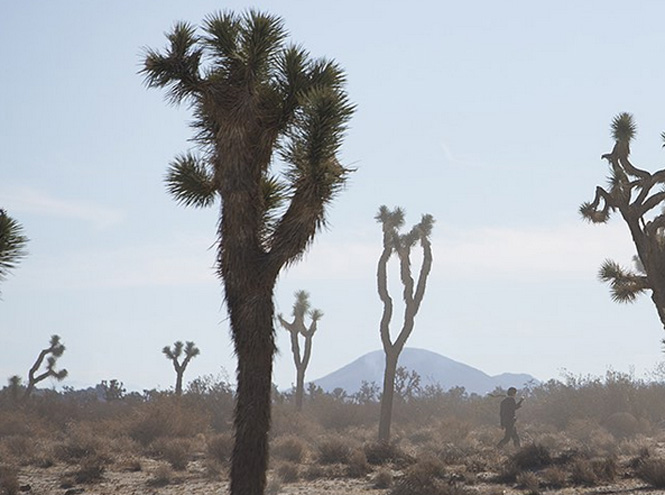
(631, 194)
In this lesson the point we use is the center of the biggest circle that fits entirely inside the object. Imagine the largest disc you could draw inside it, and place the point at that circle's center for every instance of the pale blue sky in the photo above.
(489, 115)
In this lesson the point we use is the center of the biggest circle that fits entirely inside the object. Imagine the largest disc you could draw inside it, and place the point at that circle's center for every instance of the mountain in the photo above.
(433, 368)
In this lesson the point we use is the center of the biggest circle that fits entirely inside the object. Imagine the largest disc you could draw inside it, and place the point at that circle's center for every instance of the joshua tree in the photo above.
(258, 104)
(12, 244)
(394, 242)
(631, 192)
(14, 387)
(53, 351)
(295, 328)
(174, 354)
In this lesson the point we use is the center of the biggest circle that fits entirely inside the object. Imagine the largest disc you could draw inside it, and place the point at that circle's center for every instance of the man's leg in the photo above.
(506, 437)
(515, 437)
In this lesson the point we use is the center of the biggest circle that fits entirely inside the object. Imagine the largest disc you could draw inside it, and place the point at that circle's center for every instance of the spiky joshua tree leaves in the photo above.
(635, 194)
(297, 328)
(190, 350)
(269, 122)
(51, 354)
(413, 292)
(12, 244)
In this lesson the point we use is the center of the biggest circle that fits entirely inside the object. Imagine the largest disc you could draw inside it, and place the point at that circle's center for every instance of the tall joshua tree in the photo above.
(51, 354)
(269, 122)
(12, 244)
(631, 193)
(413, 292)
(297, 328)
(191, 351)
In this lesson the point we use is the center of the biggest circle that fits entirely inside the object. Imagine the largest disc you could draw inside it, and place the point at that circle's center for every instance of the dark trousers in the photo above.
(510, 434)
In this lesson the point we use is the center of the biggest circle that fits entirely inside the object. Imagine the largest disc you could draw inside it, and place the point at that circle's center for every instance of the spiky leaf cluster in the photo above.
(625, 285)
(12, 244)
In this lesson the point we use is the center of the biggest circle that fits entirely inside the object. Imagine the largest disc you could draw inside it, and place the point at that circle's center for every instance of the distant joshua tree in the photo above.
(394, 242)
(174, 354)
(296, 328)
(269, 121)
(631, 192)
(12, 244)
(53, 351)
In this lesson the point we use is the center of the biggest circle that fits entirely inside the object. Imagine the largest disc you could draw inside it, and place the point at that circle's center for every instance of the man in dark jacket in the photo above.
(508, 407)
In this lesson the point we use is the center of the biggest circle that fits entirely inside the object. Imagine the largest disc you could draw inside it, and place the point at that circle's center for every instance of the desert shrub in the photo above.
(313, 472)
(131, 465)
(623, 425)
(333, 450)
(80, 443)
(162, 475)
(380, 453)
(274, 486)
(652, 471)
(640, 459)
(220, 447)
(166, 417)
(91, 470)
(452, 454)
(357, 464)
(13, 423)
(19, 447)
(289, 448)
(8, 480)
(531, 458)
(554, 477)
(176, 451)
(288, 472)
(383, 479)
(426, 478)
(528, 481)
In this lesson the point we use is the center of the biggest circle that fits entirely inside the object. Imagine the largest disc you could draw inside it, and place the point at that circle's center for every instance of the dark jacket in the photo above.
(508, 408)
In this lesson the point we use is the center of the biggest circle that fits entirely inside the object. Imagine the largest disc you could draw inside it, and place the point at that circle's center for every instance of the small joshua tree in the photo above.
(296, 328)
(51, 354)
(394, 242)
(174, 354)
(631, 192)
(14, 387)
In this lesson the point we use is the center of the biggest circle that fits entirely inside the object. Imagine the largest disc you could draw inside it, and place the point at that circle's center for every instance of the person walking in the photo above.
(507, 412)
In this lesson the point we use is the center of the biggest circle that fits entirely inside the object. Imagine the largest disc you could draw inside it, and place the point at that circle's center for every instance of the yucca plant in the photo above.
(269, 122)
(635, 194)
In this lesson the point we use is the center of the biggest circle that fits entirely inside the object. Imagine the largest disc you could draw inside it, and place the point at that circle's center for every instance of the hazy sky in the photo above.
(491, 116)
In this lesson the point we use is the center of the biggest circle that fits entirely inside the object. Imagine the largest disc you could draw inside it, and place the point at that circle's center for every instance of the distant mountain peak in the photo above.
(432, 367)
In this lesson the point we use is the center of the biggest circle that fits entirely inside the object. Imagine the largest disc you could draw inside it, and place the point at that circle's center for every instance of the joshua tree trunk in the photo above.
(251, 321)
(387, 398)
